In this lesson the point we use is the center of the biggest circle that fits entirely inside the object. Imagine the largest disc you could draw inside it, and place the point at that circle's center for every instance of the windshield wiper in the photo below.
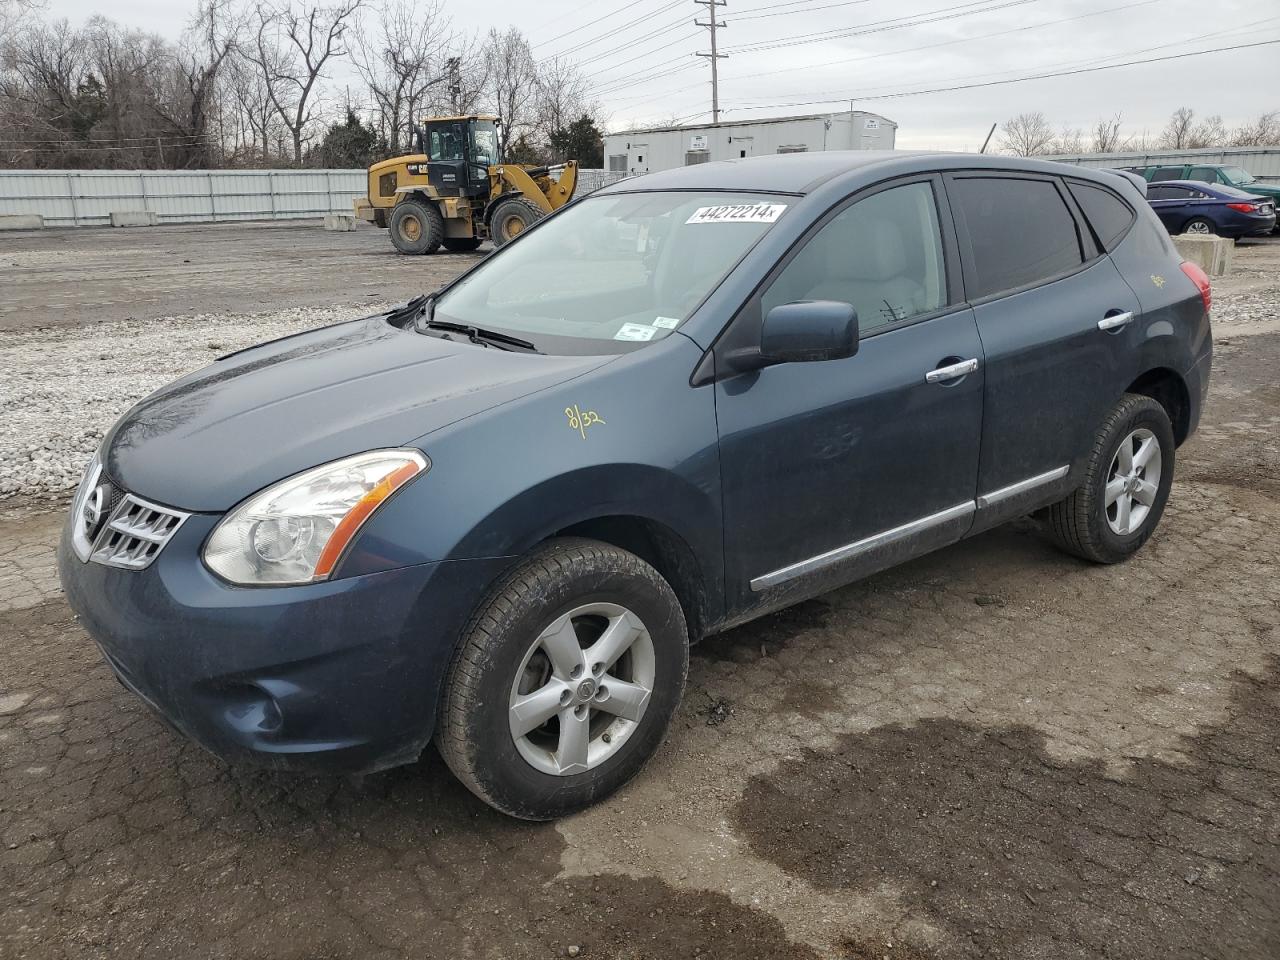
(477, 334)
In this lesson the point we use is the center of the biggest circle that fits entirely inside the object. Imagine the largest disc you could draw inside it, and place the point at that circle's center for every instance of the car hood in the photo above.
(208, 440)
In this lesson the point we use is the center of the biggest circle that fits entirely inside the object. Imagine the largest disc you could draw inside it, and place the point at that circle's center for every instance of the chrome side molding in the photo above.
(1022, 486)
(884, 538)
(893, 535)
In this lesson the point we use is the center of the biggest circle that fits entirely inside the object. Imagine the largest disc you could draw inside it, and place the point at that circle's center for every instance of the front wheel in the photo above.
(1127, 480)
(1200, 227)
(511, 218)
(566, 679)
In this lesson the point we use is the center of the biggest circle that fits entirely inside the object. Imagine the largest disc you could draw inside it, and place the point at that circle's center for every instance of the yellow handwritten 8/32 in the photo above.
(579, 419)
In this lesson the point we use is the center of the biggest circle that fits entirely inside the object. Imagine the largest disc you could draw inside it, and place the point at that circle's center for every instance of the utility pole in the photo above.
(455, 83)
(714, 56)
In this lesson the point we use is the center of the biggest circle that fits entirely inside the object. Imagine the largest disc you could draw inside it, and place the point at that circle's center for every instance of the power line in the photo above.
(881, 26)
(931, 46)
(1038, 76)
(613, 33)
(583, 26)
(1091, 60)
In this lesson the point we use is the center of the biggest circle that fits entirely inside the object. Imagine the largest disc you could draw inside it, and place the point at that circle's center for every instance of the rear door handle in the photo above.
(1117, 321)
(951, 371)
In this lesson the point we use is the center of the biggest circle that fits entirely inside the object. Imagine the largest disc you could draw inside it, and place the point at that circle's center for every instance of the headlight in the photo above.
(295, 531)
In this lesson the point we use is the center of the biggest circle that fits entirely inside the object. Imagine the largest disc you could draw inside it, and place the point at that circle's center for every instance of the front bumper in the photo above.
(338, 676)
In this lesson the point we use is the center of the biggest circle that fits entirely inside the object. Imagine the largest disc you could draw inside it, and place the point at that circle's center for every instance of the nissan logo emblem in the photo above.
(95, 508)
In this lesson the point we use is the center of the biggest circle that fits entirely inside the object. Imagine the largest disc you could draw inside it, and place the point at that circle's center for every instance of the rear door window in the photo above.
(1204, 174)
(1167, 173)
(1019, 232)
(1109, 216)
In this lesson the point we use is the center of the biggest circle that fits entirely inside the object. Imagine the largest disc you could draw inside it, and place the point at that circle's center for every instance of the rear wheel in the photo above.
(566, 680)
(1200, 227)
(511, 218)
(1127, 480)
(416, 227)
(461, 244)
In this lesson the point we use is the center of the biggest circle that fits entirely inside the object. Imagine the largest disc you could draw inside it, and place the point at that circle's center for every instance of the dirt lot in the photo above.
(76, 277)
(994, 751)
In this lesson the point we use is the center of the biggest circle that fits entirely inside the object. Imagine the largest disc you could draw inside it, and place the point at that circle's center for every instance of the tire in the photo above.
(1200, 226)
(510, 218)
(1084, 523)
(416, 227)
(574, 587)
(461, 244)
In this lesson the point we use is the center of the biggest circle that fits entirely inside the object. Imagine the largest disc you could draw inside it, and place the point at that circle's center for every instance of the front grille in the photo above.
(135, 533)
(113, 527)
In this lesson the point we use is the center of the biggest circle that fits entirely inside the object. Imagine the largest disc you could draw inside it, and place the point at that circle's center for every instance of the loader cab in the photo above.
(459, 152)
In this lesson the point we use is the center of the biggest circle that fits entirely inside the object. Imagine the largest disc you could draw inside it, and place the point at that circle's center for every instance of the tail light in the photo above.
(1201, 280)
(1245, 207)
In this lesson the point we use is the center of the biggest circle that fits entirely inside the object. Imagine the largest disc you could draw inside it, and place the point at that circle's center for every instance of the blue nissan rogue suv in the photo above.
(497, 516)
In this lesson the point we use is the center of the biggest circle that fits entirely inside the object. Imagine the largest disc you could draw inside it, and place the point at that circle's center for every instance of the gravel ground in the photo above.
(62, 388)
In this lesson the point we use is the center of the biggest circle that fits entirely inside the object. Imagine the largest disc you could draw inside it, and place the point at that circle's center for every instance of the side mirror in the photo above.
(809, 330)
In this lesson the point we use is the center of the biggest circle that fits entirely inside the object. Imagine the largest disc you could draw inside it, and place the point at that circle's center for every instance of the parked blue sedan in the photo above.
(1188, 206)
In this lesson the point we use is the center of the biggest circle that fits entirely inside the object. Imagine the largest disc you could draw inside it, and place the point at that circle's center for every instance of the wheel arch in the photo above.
(1169, 389)
(662, 548)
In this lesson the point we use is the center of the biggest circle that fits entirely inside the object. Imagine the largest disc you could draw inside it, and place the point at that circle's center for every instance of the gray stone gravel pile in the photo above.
(61, 388)
(1245, 307)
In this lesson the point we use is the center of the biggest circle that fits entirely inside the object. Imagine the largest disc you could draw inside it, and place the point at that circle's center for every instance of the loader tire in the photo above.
(416, 227)
(511, 218)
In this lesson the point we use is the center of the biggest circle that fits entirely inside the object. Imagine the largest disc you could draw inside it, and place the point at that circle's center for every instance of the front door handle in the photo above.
(1117, 321)
(951, 371)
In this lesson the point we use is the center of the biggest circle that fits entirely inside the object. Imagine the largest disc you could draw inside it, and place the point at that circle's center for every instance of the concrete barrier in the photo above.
(134, 218)
(339, 222)
(1212, 254)
(21, 221)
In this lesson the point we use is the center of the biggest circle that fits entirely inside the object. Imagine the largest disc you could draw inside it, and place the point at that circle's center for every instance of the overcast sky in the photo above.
(640, 57)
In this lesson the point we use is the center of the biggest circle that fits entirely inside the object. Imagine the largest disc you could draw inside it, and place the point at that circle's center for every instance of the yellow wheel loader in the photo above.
(454, 192)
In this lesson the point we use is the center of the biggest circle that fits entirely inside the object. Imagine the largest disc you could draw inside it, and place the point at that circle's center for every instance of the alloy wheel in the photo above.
(1133, 482)
(581, 689)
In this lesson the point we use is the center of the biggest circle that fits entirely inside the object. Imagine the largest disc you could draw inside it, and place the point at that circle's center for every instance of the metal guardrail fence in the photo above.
(1262, 162)
(89, 197)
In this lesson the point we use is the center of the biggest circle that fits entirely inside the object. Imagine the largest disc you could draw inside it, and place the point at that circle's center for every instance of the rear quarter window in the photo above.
(1109, 216)
(1019, 232)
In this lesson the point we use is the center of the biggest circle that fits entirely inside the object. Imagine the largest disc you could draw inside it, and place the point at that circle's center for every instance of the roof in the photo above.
(750, 123)
(804, 172)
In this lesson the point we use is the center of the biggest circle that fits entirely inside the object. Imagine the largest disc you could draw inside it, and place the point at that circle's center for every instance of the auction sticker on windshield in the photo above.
(738, 213)
(635, 331)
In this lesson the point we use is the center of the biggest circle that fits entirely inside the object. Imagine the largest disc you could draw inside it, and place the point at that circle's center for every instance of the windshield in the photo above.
(1237, 176)
(484, 147)
(613, 272)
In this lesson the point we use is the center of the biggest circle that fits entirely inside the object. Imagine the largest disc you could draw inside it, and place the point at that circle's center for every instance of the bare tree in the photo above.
(511, 76)
(399, 59)
(293, 44)
(1263, 132)
(1027, 135)
(1177, 132)
(1209, 132)
(561, 96)
(1106, 135)
(212, 35)
(1070, 140)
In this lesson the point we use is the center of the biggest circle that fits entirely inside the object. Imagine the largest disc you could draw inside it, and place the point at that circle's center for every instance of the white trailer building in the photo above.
(661, 148)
